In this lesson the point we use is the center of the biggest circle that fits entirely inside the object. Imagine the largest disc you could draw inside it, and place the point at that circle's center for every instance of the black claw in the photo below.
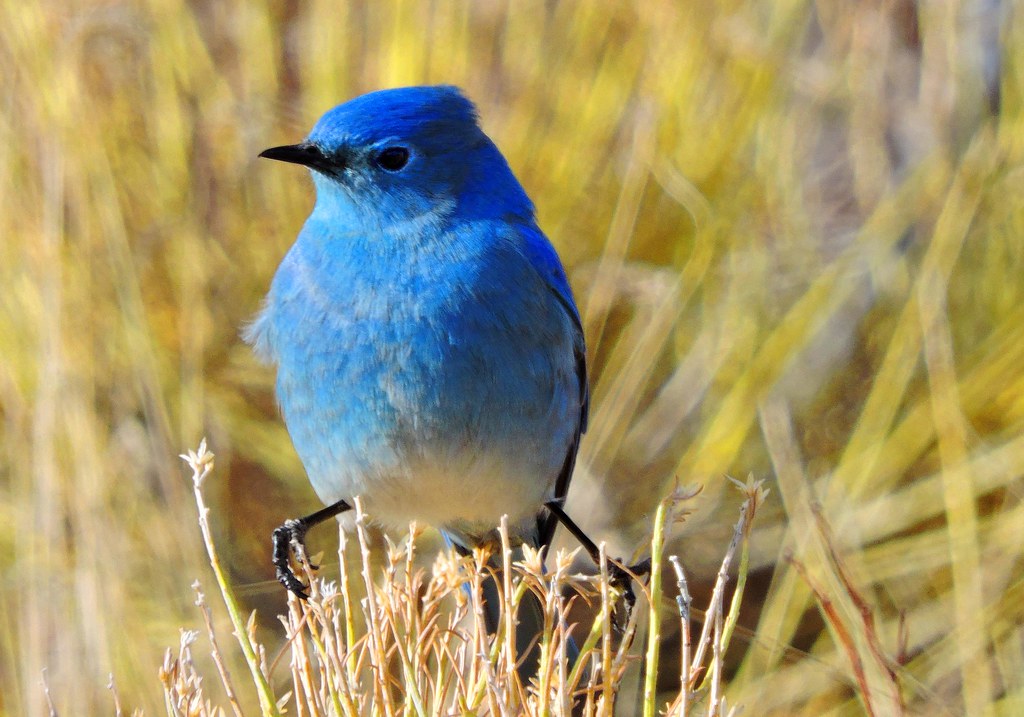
(287, 578)
(619, 577)
(290, 539)
(622, 578)
(285, 539)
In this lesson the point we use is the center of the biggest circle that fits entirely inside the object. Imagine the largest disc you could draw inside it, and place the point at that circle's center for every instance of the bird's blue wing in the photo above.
(543, 258)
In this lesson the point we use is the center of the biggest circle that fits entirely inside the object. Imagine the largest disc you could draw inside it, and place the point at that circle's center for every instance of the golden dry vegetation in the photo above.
(796, 233)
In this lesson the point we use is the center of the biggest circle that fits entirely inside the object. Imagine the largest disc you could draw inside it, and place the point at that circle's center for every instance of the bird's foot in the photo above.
(288, 540)
(622, 579)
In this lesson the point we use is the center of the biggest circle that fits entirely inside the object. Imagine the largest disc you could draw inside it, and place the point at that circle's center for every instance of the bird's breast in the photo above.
(419, 384)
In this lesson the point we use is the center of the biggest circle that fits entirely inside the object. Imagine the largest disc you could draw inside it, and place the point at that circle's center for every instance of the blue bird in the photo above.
(430, 356)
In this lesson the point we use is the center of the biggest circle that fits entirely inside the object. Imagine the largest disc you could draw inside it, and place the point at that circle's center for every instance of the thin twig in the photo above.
(867, 615)
(201, 463)
(218, 658)
(684, 601)
(832, 615)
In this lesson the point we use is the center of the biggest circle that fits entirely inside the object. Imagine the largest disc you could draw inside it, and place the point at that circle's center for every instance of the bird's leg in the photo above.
(290, 538)
(619, 576)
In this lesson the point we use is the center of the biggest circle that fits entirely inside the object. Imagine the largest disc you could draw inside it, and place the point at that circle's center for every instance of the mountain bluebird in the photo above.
(429, 353)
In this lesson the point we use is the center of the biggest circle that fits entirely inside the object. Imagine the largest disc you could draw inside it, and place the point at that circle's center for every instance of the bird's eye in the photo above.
(393, 158)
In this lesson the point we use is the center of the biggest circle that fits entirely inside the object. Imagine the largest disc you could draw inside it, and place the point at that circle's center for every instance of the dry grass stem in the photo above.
(417, 643)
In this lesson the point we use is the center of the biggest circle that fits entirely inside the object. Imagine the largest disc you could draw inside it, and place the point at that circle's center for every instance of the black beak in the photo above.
(306, 153)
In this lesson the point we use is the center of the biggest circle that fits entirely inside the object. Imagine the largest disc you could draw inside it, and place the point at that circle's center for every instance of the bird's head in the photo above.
(398, 155)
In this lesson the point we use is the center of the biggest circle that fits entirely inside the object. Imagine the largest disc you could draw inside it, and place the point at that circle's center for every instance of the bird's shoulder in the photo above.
(521, 247)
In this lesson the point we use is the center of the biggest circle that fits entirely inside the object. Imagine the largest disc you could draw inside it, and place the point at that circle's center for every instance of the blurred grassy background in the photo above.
(796, 230)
